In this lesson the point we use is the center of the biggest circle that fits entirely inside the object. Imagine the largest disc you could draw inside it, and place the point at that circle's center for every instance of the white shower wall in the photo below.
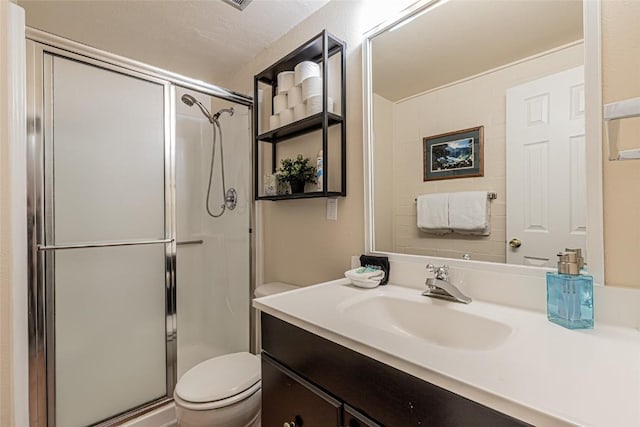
(213, 278)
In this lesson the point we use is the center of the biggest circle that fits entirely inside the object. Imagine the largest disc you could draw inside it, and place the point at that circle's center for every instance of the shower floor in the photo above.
(164, 416)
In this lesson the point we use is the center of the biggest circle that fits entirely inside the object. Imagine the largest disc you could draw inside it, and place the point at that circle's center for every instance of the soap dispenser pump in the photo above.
(570, 292)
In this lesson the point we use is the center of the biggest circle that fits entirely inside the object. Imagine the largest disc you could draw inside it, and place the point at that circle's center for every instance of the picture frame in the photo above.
(458, 154)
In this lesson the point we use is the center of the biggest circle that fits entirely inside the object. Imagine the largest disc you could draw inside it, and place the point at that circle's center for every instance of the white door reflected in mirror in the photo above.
(546, 168)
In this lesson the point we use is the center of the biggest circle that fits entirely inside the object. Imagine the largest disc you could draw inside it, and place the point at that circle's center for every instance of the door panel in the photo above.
(110, 331)
(546, 168)
(108, 152)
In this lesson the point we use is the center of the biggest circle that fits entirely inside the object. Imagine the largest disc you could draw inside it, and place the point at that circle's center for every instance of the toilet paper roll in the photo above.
(314, 104)
(285, 81)
(315, 100)
(294, 97)
(304, 70)
(286, 116)
(279, 103)
(274, 122)
(311, 87)
(299, 112)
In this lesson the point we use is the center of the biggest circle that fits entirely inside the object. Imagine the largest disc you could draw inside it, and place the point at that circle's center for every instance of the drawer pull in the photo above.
(289, 424)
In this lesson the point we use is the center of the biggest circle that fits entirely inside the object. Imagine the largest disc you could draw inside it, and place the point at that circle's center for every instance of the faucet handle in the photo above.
(439, 271)
(442, 272)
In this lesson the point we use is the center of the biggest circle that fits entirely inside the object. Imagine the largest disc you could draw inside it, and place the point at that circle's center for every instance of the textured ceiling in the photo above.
(207, 39)
(462, 38)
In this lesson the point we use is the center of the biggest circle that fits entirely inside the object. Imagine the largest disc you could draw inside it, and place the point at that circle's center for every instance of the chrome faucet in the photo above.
(438, 285)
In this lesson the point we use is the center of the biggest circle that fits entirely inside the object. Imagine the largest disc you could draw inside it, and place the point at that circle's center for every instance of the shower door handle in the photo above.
(102, 245)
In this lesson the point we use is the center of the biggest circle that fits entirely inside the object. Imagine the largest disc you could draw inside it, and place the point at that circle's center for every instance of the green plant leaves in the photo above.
(298, 170)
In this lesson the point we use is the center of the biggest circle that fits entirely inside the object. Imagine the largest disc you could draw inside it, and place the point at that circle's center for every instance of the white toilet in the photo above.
(223, 391)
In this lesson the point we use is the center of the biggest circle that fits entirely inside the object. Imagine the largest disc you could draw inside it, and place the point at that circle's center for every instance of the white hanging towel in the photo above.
(433, 213)
(469, 212)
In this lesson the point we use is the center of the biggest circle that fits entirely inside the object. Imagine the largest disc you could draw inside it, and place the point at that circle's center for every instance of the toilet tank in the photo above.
(273, 288)
(264, 290)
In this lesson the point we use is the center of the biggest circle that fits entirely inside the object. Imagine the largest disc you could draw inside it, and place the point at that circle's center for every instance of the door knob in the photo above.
(515, 243)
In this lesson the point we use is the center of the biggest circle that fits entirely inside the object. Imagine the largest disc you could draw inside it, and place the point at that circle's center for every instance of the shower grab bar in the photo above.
(102, 245)
(190, 242)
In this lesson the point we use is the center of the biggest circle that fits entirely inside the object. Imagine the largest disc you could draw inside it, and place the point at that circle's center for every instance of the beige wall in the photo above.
(439, 111)
(383, 172)
(621, 80)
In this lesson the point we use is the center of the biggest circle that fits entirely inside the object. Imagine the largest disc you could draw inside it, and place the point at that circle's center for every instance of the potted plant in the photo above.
(297, 173)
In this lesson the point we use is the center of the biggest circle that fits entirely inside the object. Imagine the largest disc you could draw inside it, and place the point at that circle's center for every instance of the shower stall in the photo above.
(132, 279)
(212, 231)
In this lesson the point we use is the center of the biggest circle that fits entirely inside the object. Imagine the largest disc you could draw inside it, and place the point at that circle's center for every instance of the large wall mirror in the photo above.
(487, 96)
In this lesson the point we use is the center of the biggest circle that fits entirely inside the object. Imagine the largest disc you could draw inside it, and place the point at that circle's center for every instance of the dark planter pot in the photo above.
(297, 187)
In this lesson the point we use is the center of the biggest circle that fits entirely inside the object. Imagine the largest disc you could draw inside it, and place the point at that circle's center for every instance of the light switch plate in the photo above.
(332, 209)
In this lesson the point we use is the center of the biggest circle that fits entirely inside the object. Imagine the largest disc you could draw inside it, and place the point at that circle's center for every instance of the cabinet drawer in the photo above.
(288, 398)
(353, 418)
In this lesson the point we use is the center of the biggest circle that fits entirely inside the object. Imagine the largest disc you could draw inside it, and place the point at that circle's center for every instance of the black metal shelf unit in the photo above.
(319, 49)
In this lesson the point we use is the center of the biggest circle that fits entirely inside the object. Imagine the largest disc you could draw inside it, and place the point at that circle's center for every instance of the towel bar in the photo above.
(629, 108)
(490, 196)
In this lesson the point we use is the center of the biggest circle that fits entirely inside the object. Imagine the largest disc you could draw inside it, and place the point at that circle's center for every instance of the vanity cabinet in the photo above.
(288, 398)
(320, 50)
(291, 401)
(353, 418)
(365, 392)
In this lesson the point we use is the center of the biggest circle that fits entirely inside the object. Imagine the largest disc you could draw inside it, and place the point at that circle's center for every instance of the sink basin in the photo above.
(437, 322)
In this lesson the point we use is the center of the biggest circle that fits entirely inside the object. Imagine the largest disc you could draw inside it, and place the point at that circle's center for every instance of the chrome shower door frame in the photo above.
(40, 199)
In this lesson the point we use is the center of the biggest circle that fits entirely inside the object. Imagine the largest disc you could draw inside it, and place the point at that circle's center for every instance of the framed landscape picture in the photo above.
(456, 154)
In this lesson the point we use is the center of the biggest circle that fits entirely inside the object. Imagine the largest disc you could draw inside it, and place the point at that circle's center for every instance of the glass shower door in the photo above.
(108, 242)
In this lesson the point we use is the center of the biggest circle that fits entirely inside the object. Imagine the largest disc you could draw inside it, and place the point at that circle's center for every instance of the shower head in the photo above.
(224, 110)
(190, 100)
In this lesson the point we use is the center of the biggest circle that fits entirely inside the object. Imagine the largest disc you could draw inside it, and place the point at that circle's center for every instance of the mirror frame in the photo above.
(593, 138)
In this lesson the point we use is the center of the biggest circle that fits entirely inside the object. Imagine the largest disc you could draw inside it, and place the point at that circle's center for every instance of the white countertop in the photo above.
(542, 373)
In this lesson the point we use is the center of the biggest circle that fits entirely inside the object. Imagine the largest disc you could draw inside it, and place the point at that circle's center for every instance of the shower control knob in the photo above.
(515, 243)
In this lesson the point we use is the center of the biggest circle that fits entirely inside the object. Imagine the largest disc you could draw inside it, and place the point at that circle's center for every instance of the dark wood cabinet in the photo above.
(289, 399)
(371, 393)
(353, 418)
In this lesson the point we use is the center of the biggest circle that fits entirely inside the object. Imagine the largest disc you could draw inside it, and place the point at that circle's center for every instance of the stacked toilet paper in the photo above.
(299, 95)
(304, 70)
(285, 81)
(314, 104)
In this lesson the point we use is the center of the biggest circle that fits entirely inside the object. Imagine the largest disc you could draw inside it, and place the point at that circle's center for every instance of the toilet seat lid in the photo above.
(219, 378)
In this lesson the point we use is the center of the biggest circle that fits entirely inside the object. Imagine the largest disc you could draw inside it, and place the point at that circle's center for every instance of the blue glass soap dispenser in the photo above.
(570, 292)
